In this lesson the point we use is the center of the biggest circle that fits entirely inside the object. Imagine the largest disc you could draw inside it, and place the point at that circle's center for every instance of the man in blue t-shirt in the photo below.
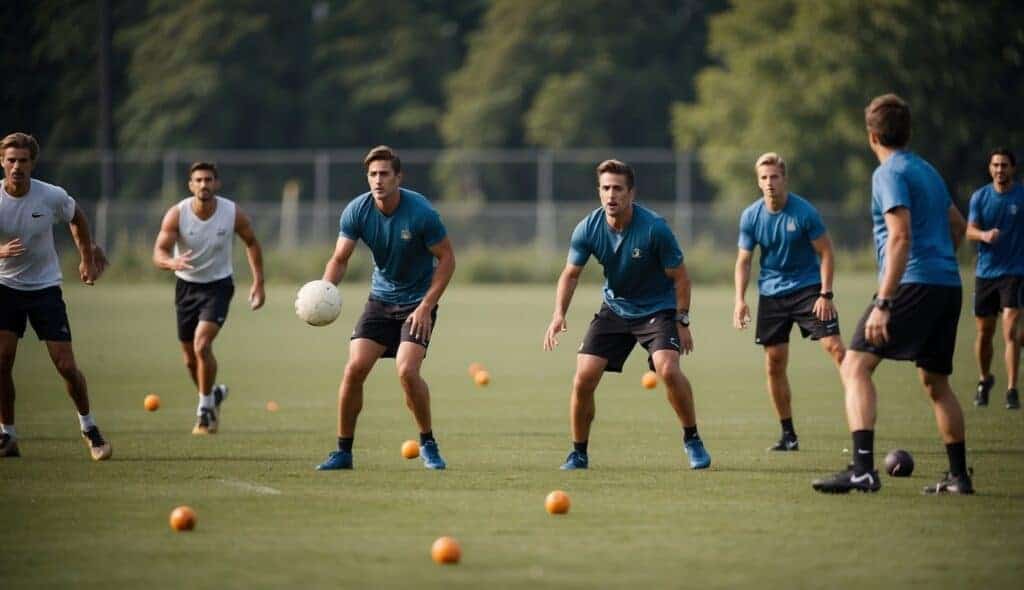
(996, 222)
(646, 299)
(914, 315)
(413, 262)
(793, 285)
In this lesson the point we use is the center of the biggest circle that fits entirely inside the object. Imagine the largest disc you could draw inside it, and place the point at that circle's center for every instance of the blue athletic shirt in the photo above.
(906, 180)
(402, 263)
(788, 259)
(1005, 212)
(634, 260)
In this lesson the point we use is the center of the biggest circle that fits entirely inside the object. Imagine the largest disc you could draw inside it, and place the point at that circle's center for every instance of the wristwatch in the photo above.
(826, 295)
(883, 303)
(683, 318)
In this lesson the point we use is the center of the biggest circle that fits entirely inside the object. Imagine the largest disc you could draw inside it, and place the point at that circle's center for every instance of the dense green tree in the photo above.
(794, 76)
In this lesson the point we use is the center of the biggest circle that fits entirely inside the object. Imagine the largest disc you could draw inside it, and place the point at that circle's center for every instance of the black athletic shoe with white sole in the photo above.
(1012, 400)
(952, 484)
(981, 393)
(786, 443)
(847, 481)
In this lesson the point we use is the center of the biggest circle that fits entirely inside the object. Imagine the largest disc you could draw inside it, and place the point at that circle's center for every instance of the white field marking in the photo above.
(248, 486)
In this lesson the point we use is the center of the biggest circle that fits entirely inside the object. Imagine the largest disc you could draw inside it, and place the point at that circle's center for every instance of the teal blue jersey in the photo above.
(403, 265)
(634, 260)
(991, 209)
(788, 260)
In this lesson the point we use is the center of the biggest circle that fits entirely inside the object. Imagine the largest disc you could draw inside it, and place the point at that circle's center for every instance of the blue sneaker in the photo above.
(699, 457)
(336, 460)
(431, 455)
(575, 460)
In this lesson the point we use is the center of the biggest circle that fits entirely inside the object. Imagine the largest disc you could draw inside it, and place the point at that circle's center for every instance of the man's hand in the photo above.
(419, 322)
(876, 328)
(824, 309)
(990, 236)
(181, 261)
(685, 339)
(87, 271)
(12, 248)
(556, 326)
(741, 315)
(256, 296)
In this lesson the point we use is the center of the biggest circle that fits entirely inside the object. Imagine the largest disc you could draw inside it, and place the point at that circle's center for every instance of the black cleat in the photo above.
(984, 386)
(846, 481)
(786, 443)
(9, 446)
(1012, 399)
(220, 393)
(952, 484)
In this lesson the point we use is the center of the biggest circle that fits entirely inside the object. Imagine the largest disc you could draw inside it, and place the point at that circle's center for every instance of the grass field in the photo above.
(640, 517)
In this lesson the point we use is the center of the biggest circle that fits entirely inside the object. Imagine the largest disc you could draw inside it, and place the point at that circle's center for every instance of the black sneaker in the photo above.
(984, 386)
(220, 393)
(206, 422)
(786, 443)
(1012, 399)
(952, 484)
(99, 448)
(9, 446)
(846, 481)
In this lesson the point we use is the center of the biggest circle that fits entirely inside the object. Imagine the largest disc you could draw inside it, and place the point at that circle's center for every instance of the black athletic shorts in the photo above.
(384, 323)
(612, 337)
(993, 295)
(207, 302)
(43, 308)
(922, 327)
(777, 314)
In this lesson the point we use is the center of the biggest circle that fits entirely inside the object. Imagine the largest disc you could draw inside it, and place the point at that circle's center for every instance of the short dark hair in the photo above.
(888, 117)
(1001, 151)
(21, 141)
(617, 167)
(203, 166)
(383, 152)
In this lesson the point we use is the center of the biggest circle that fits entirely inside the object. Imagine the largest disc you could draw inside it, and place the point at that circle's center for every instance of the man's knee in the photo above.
(408, 374)
(775, 362)
(356, 371)
(585, 381)
(66, 366)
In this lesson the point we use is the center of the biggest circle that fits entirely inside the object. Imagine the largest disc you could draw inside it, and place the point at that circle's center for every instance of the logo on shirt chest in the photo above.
(790, 225)
(637, 254)
(1013, 209)
(406, 235)
(222, 232)
(36, 215)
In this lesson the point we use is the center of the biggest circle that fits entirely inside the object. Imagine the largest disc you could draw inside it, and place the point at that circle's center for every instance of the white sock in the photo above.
(206, 401)
(86, 421)
(8, 429)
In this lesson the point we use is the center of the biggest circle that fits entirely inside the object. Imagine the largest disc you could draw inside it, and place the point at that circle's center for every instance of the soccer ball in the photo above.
(318, 303)
(899, 463)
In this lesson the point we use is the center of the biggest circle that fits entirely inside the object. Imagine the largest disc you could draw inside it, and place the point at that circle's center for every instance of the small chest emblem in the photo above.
(221, 232)
(406, 235)
(1013, 209)
(36, 215)
(637, 253)
(790, 225)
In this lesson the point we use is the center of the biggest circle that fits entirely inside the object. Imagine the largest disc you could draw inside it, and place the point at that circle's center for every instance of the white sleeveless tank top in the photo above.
(210, 241)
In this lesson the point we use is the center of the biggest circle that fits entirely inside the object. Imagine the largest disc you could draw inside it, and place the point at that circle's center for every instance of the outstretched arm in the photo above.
(337, 264)
(94, 262)
(163, 256)
(741, 278)
(253, 251)
(420, 324)
(567, 282)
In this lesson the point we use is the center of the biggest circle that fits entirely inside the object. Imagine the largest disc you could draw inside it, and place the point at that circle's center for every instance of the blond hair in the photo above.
(770, 159)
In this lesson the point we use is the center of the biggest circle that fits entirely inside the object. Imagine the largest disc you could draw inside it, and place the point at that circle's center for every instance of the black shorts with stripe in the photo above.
(922, 327)
(43, 308)
(994, 295)
(385, 324)
(777, 314)
(612, 337)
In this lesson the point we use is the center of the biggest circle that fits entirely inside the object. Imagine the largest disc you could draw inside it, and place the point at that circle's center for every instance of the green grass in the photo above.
(639, 517)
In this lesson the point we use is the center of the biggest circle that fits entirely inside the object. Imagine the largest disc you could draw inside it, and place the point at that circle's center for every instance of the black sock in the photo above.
(345, 443)
(863, 451)
(426, 437)
(580, 447)
(787, 428)
(690, 433)
(957, 453)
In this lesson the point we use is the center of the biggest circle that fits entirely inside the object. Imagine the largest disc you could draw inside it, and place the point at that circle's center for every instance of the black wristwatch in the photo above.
(826, 295)
(683, 318)
(883, 303)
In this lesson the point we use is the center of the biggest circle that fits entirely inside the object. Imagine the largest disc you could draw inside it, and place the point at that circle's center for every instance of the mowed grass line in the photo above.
(639, 516)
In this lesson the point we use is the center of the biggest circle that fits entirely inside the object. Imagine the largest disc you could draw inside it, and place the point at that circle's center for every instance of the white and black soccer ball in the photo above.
(318, 303)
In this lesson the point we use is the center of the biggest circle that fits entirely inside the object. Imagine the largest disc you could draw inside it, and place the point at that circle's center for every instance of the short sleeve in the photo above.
(349, 224)
(63, 206)
(889, 190)
(974, 210)
(666, 245)
(433, 229)
(813, 224)
(747, 241)
(579, 245)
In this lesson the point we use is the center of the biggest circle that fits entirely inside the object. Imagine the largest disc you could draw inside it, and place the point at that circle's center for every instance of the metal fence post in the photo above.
(684, 195)
(321, 188)
(546, 201)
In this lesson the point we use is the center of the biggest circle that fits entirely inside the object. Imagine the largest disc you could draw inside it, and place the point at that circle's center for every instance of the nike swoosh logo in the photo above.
(863, 452)
(37, 215)
(864, 477)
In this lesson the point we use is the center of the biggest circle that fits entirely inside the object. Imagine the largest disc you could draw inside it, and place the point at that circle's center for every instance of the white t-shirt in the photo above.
(31, 218)
(209, 240)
